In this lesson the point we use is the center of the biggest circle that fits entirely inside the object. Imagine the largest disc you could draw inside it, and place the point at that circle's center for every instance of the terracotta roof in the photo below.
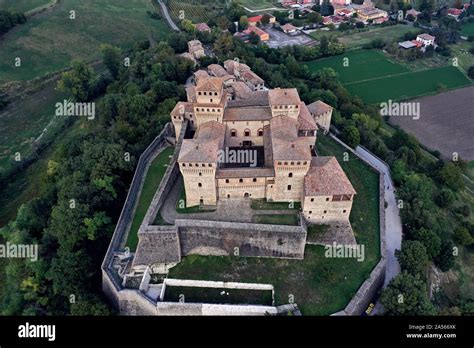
(288, 27)
(286, 145)
(210, 83)
(241, 90)
(252, 77)
(232, 65)
(305, 120)
(286, 96)
(181, 106)
(259, 113)
(227, 173)
(201, 73)
(318, 108)
(203, 148)
(217, 70)
(325, 177)
(202, 27)
(157, 246)
(426, 37)
(255, 19)
(257, 98)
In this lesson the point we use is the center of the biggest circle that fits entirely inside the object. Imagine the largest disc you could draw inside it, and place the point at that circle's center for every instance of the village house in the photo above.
(203, 27)
(367, 11)
(288, 28)
(426, 39)
(274, 125)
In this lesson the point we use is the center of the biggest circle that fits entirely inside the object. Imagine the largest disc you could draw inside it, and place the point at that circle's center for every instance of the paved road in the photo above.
(393, 223)
(167, 16)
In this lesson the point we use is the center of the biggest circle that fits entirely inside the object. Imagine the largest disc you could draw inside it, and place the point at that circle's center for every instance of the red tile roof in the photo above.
(325, 177)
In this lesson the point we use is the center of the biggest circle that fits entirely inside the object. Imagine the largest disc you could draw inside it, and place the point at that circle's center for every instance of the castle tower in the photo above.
(284, 102)
(211, 100)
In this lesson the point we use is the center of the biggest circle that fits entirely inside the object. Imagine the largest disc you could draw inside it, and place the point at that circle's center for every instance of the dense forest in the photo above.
(9, 19)
(85, 185)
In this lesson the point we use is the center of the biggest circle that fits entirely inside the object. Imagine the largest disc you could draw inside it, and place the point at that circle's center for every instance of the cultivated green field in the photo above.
(152, 181)
(258, 4)
(408, 85)
(48, 42)
(320, 286)
(362, 65)
(359, 37)
(22, 5)
(467, 29)
(375, 77)
(195, 12)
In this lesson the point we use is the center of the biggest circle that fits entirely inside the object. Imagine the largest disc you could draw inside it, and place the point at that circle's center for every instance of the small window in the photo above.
(199, 185)
(289, 187)
(254, 179)
(215, 93)
(211, 100)
(233, 133)
(290, 175)
(327, 199)
(205, 93)
(247, 132)
(310, 211)
(203, 165)
(241, 180)
(312, 199)
(325, 211)
(344, 211)
(184, 164)
(286, 163)
(209, 165)
(199, 93)
(279, 163)
(226, 181)
(292, 163)
(260, 132)
(200, 174)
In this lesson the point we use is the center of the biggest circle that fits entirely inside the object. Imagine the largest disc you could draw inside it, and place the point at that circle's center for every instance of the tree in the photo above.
(243, 22)
(463, 236)
(254, 38)
(77, 81)
(445, 198)
(188, 26)
(112, 59)
(445, 259)
(406, 294)
(265, 19)
(470, 72)
(451, 175)
(412, 257)
(223, 44)
(430, 240)
(351, 136)
(314, 17)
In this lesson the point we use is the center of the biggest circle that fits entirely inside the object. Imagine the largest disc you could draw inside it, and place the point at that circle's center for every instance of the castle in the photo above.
(253, 143)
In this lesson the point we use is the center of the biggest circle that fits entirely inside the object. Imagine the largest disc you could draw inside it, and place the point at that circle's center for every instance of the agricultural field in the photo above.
(195, 11)
(461, 51)
(375, 77)
(359, 37)
(50, 41)
(468, 29)
(22, 5)
(258, 4)
(320, 286)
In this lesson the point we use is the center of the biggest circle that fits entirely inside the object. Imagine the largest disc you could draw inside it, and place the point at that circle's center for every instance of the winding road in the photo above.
(164, 9)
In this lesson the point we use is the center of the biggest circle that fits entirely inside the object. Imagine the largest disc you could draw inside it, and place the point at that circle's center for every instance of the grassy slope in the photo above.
(48, 42)
(320, 286)
(467, 29)
(22, 5)
(152, 181)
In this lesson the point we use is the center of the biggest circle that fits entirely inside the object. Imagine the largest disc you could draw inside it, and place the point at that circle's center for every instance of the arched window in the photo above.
(199, 185)
(290, 175)
(247, 132)
(260, 132)
(233, 133)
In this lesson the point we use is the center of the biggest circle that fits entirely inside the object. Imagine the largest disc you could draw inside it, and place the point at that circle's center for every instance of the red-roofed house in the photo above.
(288, 28)
(255, 20)
(454, 12)
(426, 39)
(262, 34)
(203, 27)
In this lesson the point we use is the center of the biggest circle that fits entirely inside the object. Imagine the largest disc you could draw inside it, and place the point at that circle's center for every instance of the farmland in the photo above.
(50, 41)
(359, 37)
(375, 77)
(195, 11)
(258, 4)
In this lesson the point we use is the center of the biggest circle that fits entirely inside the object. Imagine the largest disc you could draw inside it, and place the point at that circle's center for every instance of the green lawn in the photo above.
(467, 29)
(276, 219)
(263, 204)
(258, 4)
(375, 77)
(362, 64)
(48, 42)
(408, 85)
(152, 181)
(359, 37)
(22, 5)
(461, 51)
(320, 286)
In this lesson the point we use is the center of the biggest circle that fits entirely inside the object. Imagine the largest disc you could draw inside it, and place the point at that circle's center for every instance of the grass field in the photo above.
(362, 65)
(258, 4)
(461, 51)
(195, 12)
(152, 181)
(468, 29)
(22, 5)
(374, 77)
(276, 219)
(358, 38)
(35, 110)
(320, 286)
(408, 85)
(48, 42)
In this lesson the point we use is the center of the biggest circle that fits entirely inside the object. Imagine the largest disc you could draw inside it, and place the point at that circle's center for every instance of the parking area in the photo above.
(280, 39)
